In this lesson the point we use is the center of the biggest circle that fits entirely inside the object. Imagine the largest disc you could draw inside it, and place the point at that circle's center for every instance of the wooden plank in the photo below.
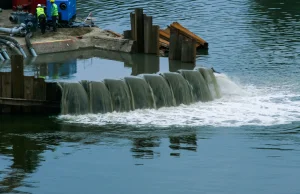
(175, 44)
(164, 35)
(147, 33)
(139, 29)
(6, 85)
(155, 40)
(164, 43)
(189, 34)
(39, 89)
(127, 34)
(17, 76)
(132, 23)
(188, 51)
(6, 90)
(114, 33)
(39, 93)
(27, 102)
(28, 91)
(17, 79)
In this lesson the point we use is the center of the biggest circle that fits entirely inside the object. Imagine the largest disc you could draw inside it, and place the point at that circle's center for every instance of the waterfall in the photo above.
(211, 81)
(198, 85)
(162, 92)
(120, 95)
(74, 99)
(100, 99)
(179, 86)
(141, 93)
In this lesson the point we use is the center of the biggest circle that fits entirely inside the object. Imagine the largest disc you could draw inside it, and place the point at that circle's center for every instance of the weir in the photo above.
(198, 85)
(141, 93)
(162, 93)
(120, 95)
(100, 99)
(144, 91)
(74, 99)
(179, 86)
(211, 81)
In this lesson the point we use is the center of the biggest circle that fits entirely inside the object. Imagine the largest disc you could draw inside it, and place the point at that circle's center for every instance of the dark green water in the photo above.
(248, 141)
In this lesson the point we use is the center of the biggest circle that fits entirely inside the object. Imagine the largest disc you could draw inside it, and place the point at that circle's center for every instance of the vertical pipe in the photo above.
(5, 54)
(1, 57)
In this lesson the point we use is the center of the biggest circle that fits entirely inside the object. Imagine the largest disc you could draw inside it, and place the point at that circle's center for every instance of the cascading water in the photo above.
(85, 84)
(198, 85)
(141, 93)
(180, 88)
(148, 91)
(100, 99)
(211, 81)
(120, 95)
(162, 93)
(74, 99)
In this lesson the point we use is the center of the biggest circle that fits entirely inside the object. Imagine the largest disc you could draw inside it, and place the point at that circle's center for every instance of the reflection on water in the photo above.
(97, 65)
(143, 148)
(186, 142)
(203, 150)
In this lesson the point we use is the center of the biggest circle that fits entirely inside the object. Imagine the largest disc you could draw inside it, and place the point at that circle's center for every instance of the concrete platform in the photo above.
(70, 39)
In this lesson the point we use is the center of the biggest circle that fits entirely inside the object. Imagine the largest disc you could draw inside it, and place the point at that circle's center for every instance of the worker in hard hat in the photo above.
(40, 12)
(54, 14)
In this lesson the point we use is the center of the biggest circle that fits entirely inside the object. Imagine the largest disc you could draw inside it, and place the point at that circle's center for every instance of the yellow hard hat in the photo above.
(52, 1)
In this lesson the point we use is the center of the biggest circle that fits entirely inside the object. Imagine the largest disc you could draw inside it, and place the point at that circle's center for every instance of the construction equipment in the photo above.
(66, 11)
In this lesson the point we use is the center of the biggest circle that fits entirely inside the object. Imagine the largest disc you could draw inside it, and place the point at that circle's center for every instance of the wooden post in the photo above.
(147, 33)
(155, 40)
(139, 29)
(17, 76)
(127, 34)
(17, 79)
(188, 51)
(175, 44)
(132, 22)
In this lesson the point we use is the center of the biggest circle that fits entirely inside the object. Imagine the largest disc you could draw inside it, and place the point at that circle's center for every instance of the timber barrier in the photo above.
(27, 94)
(179, 42)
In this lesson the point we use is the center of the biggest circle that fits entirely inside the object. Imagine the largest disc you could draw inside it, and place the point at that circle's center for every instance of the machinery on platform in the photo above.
(66, 11)
(25, 12)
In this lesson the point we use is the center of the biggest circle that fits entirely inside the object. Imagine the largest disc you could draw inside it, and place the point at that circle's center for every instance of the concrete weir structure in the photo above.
(70, 39)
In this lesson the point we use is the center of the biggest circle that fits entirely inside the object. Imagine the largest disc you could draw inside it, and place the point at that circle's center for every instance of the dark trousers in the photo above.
(54, 19)
(42, 21)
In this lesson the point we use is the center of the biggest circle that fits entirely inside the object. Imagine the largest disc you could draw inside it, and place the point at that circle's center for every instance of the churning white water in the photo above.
(239, 105)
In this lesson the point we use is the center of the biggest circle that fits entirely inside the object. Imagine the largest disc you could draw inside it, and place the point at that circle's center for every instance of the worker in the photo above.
(40, 12)
(54, 14)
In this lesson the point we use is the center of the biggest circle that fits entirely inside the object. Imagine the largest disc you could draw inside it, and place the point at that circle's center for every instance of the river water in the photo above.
(246, 142)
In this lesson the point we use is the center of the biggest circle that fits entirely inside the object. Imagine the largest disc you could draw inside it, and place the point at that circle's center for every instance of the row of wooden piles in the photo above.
(180, 43)
(143, 32)
(26, 94)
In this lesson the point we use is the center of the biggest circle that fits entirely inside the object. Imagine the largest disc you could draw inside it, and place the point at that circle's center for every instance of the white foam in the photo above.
(239, 105)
